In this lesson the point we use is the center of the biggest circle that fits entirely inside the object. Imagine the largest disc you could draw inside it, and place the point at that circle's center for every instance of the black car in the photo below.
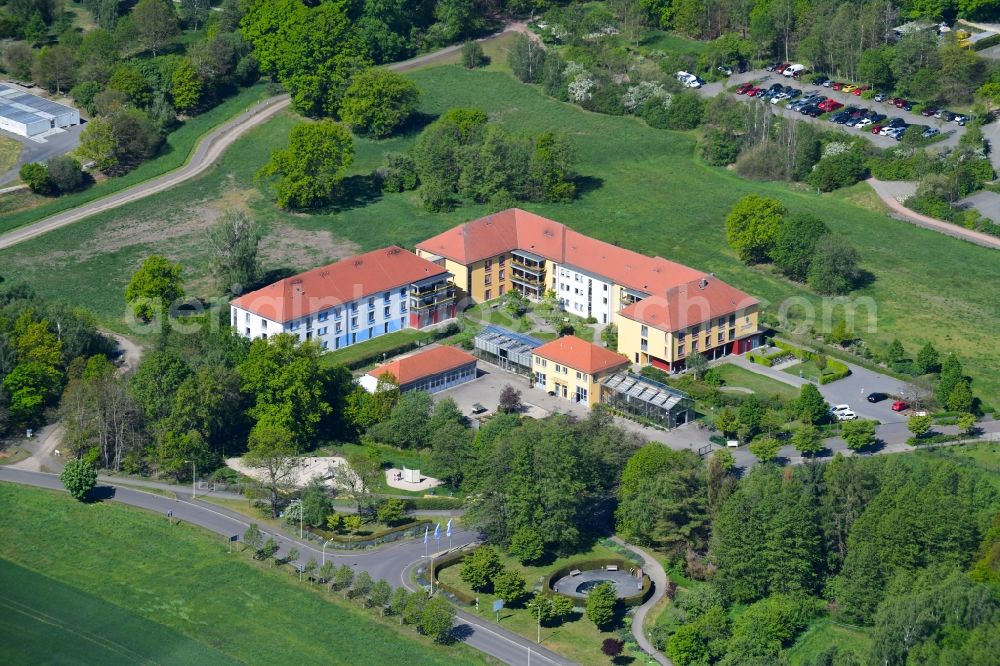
(896, 122)
(814, 112)
(877, 397)
(908, 106)
(877, 118)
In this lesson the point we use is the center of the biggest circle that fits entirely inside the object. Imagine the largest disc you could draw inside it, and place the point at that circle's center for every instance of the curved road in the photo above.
(208, 151)
(391, 563)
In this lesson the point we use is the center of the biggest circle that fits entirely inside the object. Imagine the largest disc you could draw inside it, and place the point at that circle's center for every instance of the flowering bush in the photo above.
(636, 96)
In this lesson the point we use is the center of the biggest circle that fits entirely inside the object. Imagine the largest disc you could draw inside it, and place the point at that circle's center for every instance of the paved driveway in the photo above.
(761, 76)
(987, 203)
(33, 151)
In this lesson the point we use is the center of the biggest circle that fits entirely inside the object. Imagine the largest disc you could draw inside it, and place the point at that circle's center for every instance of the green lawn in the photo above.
(578, 639)
(374, 347)
(824, 634)
(175, 595)
(643, 188)
(179, 145)
(45, 621)
(10, 150)
(763, 386)
(806, 369)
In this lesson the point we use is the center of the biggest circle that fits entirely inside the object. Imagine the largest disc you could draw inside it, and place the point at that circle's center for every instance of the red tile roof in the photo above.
(580, 355)
(338, 283)
(516, 229)
(424, 364)
(689, 304)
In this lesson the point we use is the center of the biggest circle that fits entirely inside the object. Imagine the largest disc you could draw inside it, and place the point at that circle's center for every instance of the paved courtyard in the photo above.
(485, 390)
(626, 585)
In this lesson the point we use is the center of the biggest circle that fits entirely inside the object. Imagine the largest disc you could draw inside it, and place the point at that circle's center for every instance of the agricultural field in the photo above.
(124, 574)
(643, 188)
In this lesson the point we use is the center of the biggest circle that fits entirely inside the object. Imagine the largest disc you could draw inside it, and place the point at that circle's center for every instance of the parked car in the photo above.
(899, 103)
(761, 92)
(860, 89)
(840, 408)
(877, 118)
(689, 80)
(879, 97)
(794, 69)
(848, 87)
(930, 132)
(960, 119)
(877, 396)
(773, 66)
(752, 91)
(743, 88)
(896, 122)
(899, 406)
(947, 116)
(863, 123)
(847, 415)
(876, 129)
(829, 83)
(813, 111)
(728, 71)
(929, 111)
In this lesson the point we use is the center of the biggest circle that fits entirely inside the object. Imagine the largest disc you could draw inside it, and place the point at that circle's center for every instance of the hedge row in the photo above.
(986, 42)
(447, 561)
(759, 359)
(342, 542)
(432, 503)
(837, 370)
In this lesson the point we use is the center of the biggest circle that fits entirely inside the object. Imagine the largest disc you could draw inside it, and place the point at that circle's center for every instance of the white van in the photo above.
(791, 70)
(688, 79)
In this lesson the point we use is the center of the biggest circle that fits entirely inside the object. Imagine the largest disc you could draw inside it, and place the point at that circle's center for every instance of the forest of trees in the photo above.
(903, 545)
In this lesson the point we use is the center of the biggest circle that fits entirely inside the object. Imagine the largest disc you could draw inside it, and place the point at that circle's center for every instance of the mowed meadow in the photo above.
(102, 583)
(642, 188)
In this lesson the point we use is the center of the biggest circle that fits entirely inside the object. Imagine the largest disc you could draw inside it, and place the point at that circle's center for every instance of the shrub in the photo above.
(399, 173)
(606, 98)
(65, 173)
(378, 101)
(840, 170)
(473, 56)
(685, 111)
(655, 114)
(36, 177)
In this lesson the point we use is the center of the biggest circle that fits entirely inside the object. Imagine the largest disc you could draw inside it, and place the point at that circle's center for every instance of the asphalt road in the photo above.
(390, 563)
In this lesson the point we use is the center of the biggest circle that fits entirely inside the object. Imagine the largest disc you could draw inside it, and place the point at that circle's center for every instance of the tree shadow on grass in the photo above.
(864, 279)
(414, 125)
(587, 184)
(100, 494)
(355, 191)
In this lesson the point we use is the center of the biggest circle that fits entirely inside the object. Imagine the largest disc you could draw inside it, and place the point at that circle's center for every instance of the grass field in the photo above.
(806, 369)
(643, 188)
(45, 621)
(825, 634)
(763, 386)
(10, 150)
(173, 594)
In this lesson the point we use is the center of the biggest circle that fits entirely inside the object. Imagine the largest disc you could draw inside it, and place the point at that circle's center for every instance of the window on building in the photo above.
(605, 300)
(503, 289)
(489, 294)
(581, 394)
(354, 322)
(325, 344)
(385, 297)
(248, 331)
(722, 336)
(323, 316)
(489, 278)
(385, 328)
(694, 346)
(732, 319)
(371, 332)
(402, 306)
(263, 336)
(371, 303)
(354, 307)
(605, 289)
(503, 260)
(354, 338)
(385, 311)
(645, 331)
(644, 345)
(371, 317)
(321, 331)
(402, 292)
(503, 274)
(263, 324)
(338, 328)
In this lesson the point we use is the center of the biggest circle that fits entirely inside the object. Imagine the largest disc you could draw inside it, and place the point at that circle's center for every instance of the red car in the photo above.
(899, 406)
(837, 86)
(899, 103)
(750, 92)
(876, 129)
(860, 90)
(829, 105)
(744, 88)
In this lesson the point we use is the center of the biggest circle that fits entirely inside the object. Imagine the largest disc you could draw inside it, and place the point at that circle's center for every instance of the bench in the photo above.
(612, 567)
(575, 572)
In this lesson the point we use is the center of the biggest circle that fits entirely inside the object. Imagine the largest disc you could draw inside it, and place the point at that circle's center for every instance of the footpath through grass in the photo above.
(642, 188)
(180, 584)
(179, 145)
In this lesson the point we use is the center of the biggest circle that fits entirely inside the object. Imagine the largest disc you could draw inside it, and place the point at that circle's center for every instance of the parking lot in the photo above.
(764, 78)
(33, 150)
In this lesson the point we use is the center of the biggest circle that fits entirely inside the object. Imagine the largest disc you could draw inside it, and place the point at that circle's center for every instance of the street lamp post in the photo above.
(324, 551)
(194, 477)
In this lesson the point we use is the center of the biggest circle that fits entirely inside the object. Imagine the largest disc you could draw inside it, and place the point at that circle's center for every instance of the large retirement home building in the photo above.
(664, 311)
(352, 300)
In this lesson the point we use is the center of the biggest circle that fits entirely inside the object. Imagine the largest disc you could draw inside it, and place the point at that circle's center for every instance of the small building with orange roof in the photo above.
(429, 370)
(571, 368)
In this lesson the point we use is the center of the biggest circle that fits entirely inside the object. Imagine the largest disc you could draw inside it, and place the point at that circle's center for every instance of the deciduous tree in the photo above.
(858, 434)
(271, 450)
(752, 227)
(795, 244)
(236, 239)
(437, 619)
(834, 267)
(601, 604)
(154, 287)
(313, 165)
(79, 477)
(378, 101)
(155, 22)
(480, 567)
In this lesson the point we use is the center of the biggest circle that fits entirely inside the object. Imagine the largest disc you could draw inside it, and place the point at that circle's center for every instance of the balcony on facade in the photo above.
(429, 296)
